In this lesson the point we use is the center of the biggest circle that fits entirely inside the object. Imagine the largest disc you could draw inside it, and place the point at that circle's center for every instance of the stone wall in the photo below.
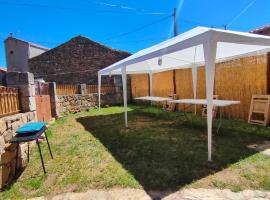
(75, 103)
(76, 61)
(8, 126)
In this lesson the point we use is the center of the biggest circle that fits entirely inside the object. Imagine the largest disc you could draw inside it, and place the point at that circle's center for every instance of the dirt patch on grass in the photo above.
(247, 174)
(220, 180)
(140, 122)
(51, 179)
(260, 147)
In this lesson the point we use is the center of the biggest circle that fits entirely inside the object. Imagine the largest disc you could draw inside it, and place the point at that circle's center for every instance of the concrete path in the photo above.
(137, 194)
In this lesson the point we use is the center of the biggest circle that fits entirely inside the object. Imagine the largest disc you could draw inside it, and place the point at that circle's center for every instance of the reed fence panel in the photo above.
(184, 85)
(66, 89)
(237, 79)
(9, 101)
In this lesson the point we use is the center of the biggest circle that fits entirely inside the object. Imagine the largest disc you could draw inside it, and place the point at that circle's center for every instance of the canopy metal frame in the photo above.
(209, 39)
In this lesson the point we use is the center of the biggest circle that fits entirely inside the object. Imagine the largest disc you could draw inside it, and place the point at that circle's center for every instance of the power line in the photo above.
(124, 7)
(241, 13)
(70, 8)
(136, 29)
(199, 23)
(121, 34)
(143, 40)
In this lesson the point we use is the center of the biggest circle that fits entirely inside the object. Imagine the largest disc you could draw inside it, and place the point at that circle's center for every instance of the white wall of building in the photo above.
(18, 52)
(35, 51)
(16, 55)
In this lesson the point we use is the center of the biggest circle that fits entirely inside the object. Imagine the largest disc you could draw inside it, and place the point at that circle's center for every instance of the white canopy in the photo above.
(199, 46)
(178, 52)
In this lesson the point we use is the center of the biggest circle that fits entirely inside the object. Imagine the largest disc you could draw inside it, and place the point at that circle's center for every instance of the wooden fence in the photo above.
(9, 101)
(104, 89)
(66, 89)
(237, 79)
(74, 89)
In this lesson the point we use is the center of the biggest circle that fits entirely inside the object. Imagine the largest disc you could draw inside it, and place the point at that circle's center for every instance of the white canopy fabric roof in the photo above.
(185, 50)
(199, 46)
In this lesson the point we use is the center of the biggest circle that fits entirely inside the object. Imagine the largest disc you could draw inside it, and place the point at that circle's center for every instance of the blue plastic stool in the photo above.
(29, 132)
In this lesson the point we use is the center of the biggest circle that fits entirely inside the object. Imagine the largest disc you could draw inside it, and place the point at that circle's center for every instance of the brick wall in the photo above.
(76, 61)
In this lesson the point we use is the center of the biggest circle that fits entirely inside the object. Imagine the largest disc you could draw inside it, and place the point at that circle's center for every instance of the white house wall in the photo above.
(16, 55)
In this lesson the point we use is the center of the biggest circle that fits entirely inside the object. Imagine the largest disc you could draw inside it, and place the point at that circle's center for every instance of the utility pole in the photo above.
(175, 30)
(175, 22)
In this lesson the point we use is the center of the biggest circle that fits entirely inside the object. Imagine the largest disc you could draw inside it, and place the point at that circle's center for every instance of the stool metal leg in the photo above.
(48, 144)
(28, 150)
(41, 158)
(17, 155)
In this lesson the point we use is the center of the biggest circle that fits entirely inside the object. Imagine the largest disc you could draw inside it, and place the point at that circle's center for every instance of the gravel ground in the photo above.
(137, 194)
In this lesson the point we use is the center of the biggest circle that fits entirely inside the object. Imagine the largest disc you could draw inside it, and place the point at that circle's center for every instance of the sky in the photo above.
(128, 25)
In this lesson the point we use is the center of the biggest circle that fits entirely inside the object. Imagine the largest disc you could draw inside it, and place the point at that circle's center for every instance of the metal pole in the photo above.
(175, 34)
(175, 22)
(124, 83)
(150, 84)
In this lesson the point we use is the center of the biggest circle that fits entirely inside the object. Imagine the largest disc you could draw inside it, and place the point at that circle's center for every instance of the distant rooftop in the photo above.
(3, 69)
(265, 30)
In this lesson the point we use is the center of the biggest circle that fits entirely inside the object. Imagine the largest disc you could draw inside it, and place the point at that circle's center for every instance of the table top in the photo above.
(219, 103)
(153, 98)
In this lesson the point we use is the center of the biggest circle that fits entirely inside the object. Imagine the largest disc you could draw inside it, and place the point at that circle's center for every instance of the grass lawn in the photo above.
(158, 151)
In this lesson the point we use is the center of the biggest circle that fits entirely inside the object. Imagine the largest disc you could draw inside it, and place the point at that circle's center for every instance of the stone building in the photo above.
(76, 61)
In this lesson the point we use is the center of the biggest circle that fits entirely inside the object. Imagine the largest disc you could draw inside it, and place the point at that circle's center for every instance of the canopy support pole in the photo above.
(99, 89)
(194, 79)
(124, 83)
(210, 48)
(150, 83)
(194, 82)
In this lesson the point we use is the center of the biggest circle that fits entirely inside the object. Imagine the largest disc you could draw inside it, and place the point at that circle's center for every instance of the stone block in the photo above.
(7, 157)
(82, 89)
(2, 144)
(12, 166)
(8, 123)
(53, 99)
(32, 116)
(8, 134)
(28, 104)
(16, 124)
(11, 147)
(27, 90)
(52, 89)
(13, 78)
(24, 119)
(27, 78)
(18, 78)
(3, 126)
(4, 175)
